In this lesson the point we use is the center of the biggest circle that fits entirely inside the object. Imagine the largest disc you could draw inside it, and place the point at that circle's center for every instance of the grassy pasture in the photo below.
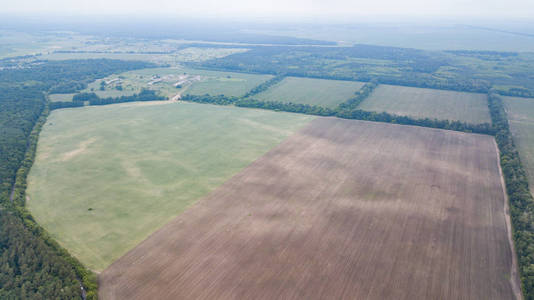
(106, 177)
(343, 209)
(326, 93)
(428, 103)
(134, 81)
(158, 58)
(225, 83)
(521, 116)
(194, 54)
(60, 97)
(199, 82)
(190, 54)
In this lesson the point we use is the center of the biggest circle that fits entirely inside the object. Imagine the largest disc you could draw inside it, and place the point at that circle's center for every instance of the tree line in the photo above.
(144, 95)
(209, 99)
(519, 196)
(359, 96)
(264, 86)
(64, 104)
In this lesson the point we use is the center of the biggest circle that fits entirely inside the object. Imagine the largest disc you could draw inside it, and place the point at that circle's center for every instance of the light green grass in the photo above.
(194, 54)
(60, 97)
(134, 81)
(521, 116)
(224, 83)
(191, 54)
(138, 165)
(326, 93)
(428, 103)
(204, 82)
(160, 58)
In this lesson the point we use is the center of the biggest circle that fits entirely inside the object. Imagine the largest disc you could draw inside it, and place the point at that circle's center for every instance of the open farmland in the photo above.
(176, 80)
(158, 58)
(521, 116)
(429, 103)
(106, 177)
(162, 80)
(326, 93)
(224, 83)
(60, 97)
(342, 210)
(190, 54)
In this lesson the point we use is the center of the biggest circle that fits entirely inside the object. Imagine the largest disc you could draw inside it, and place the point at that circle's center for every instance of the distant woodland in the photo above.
(471, 71)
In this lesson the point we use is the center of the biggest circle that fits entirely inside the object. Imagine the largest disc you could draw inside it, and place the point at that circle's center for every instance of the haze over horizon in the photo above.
(278, 9)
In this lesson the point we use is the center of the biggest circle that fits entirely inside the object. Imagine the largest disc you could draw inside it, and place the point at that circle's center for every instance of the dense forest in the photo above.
(29, 269)
(32, 265)
(471, 71)
(521, 201)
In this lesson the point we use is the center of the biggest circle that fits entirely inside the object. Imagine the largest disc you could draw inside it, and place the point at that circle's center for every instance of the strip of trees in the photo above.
(144, 95)
(359, 96)
(264, 86)
(208, 99)
(358, 114)
(64, 104)
(519, 196)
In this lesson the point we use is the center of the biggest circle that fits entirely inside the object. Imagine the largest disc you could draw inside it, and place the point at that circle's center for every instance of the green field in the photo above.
(106, 177)
(132, 82)
(428, 103)
(60, 97)
(224, 83)
(190, 54)
(521, 116)
(326, 93)
(163, 80)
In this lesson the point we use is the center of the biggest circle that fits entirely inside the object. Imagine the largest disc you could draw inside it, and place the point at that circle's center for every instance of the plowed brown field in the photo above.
(342, 210)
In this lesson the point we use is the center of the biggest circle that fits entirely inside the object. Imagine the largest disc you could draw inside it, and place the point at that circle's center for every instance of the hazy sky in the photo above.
(282, 8)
